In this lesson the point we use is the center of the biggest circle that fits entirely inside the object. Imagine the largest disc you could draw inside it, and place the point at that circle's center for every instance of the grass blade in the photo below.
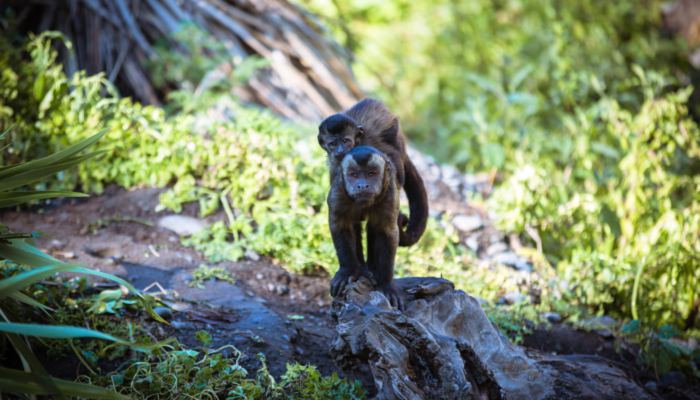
(22, 178)
(22, 252)
(72, 332)
(21, 382)
(23, 298)
(52, 159)
(17, 198)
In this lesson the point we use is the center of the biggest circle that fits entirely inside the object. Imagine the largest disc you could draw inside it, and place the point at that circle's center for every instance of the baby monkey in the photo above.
(365, 189)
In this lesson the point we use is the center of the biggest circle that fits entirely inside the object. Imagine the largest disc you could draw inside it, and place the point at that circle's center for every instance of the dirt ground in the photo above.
(267, 309)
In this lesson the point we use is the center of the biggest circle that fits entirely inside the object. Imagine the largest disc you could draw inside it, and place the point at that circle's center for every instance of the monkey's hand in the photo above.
(403, 220)
(345, 275)
(393, 295)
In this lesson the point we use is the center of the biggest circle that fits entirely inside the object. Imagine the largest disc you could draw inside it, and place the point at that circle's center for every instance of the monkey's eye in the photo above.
(354, 174)
(347, 140)
(371, 173)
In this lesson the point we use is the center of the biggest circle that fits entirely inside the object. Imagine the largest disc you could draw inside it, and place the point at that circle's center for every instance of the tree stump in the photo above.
(444, 347)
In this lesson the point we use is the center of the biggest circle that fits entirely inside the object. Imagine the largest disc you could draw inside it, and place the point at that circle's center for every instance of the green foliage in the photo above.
(576, 105)
(269, 177)
(204, 273)
(514, 321)
(620, 220)
(206, 374)
(660, 349)
(16, 251)
(490, 80)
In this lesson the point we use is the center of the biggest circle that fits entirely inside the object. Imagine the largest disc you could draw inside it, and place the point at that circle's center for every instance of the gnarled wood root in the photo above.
(444, 347)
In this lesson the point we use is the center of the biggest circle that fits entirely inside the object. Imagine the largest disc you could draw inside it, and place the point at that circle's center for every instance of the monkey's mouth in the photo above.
(363, 197)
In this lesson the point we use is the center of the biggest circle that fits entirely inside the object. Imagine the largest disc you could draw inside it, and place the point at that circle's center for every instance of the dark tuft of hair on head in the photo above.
(336, 123)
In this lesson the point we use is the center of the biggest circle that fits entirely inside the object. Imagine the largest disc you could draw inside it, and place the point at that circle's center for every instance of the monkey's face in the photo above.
(338, 134)
(363, 174)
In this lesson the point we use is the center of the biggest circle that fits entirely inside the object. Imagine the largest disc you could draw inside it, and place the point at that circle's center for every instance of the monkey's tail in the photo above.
(417, 205)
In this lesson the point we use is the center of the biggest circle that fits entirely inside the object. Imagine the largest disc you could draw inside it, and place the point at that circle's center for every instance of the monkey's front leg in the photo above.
(345, 242)
(382, 240)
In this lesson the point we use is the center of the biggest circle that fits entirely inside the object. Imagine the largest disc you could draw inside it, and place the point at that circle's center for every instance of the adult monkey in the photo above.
(364, 187)
(370, 123)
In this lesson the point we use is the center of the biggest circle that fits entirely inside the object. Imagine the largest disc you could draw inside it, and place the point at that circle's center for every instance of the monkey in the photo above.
(369, 122)
(363, 188)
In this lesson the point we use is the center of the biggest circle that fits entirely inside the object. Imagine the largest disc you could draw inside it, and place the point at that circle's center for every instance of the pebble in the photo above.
(512, 298)
(552, 317)
(498, 247)
(56, 244)
(252, 255)
(651, 385)
(513, 260)
(599, 323)
(164, 312)
(673, 378)
(605, 333)
(472, 243)
(467, 223)
(181, 224)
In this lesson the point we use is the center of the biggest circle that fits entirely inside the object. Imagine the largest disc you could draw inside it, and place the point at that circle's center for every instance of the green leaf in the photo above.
(203, 337)
(16, 198)
(53, 159)
(25, 177)
(21, 252)
(23, 298)
(631, 327)
(17, 282)
(72, 332)
(22, 382)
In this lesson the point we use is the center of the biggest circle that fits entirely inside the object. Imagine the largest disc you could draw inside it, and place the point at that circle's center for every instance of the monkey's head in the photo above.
(365, 170)
(338, 134)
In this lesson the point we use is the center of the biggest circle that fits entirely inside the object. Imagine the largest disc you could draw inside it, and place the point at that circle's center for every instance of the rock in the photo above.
(599, 323)
(512, 298)
(164, 312)
(496, 248)
(605, 333)
(444, 347)
(513, 260)
(552, 317)
(467, 223)
(673, 378)
(472, 242)
(56, 244)
(651, 385)
(182, 224)
(252, 255)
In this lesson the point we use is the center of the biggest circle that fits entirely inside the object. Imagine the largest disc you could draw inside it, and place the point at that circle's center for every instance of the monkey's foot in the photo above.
(343, 276)
(393, 295)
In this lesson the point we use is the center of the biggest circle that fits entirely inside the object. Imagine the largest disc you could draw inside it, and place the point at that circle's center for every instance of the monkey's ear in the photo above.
(388, 170)
(390, 134)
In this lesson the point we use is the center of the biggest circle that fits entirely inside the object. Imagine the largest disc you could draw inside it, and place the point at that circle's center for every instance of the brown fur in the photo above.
(370, 123)
(345, 218)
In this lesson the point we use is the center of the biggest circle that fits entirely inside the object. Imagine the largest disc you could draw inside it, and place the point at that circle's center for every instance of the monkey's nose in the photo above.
(361, 186)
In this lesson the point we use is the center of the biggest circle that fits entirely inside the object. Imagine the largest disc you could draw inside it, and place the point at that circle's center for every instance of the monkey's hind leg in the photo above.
(381, 252)
(345, 242)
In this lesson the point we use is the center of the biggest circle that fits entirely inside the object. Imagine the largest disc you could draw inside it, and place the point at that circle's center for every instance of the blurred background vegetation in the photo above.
(584, 111)
(582, 108)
